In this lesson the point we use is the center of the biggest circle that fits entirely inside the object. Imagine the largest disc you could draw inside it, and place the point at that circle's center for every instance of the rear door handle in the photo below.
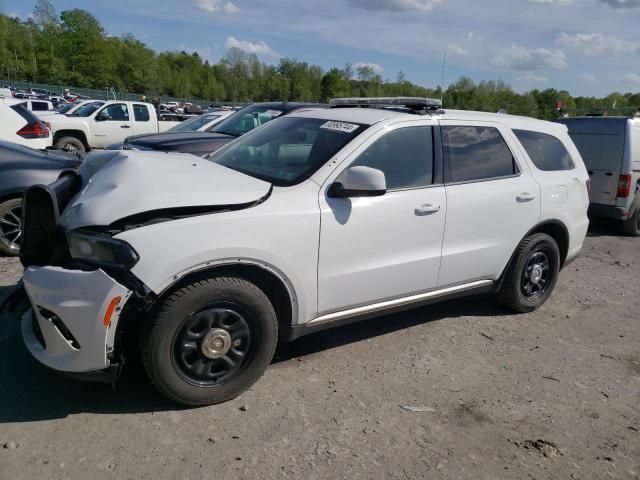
(427, 209)
(525, 197)
(125, 126)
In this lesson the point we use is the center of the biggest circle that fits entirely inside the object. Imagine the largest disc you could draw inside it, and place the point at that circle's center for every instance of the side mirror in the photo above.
(360, 182)
(102, 116)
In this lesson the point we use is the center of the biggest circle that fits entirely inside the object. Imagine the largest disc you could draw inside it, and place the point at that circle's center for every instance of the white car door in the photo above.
(379, 248)
(492, 201)
(142, 120)
(111, 124)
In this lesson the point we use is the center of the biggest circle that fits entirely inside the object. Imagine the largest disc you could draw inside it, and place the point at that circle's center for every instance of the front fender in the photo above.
(281, 235)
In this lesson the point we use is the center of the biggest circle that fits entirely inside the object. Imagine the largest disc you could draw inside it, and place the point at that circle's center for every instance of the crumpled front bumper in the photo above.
(68, 327)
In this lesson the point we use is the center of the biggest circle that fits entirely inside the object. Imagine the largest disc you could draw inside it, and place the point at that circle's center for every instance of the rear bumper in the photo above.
(576, 239)
(608, 211)
(65, 327)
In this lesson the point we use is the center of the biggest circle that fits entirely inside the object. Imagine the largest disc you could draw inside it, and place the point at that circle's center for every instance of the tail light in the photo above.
(34, 130)
(624, 186)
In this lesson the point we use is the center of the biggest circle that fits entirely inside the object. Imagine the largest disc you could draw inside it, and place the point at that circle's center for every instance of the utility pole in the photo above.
(444, 63)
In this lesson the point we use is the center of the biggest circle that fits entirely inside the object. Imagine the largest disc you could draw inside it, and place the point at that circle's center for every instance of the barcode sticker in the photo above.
(340, 126)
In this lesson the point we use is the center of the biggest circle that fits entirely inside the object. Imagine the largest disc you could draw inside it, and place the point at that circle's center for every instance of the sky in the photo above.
(589, 47)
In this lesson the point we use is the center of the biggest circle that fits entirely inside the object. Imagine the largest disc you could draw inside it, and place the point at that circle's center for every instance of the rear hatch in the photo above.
(601, 142)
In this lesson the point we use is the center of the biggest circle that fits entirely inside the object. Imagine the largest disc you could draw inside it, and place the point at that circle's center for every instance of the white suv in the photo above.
(319, 218)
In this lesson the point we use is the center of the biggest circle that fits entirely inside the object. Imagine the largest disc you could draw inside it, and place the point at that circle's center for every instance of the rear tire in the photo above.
(209, 341)
(70, 144)
(632, 224)
(531, 275)
(10, 227)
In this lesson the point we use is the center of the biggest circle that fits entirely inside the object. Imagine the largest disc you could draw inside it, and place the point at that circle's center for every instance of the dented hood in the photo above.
(120, 184)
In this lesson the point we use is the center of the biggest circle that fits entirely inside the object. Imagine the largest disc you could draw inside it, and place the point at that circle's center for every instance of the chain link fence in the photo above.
(110, 94)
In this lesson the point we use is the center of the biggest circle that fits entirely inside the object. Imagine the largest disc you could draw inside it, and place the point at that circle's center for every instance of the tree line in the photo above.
(72, 48)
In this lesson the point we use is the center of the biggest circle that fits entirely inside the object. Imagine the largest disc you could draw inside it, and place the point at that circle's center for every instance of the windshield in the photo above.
(86, 110)
(245, 120)
(195, 123)
(289, 150)
(65, 108)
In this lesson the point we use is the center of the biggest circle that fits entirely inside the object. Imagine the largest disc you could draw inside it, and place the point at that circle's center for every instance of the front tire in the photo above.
(632, 224)
(209, 341)
(70, 144)
(531, 275)
(10, 227)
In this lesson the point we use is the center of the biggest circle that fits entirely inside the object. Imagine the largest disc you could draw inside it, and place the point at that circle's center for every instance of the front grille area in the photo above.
(60, 326)
(43, 240)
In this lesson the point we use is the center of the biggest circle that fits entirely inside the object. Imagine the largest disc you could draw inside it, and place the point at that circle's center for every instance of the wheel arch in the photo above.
(275, 285)
(11, 194)
(556, 229)
(78, 134)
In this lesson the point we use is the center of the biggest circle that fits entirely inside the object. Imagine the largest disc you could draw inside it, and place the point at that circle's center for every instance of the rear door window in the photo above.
(476, 153)
(600, 151)
(140, 112)
(39, 106)
(545, 151)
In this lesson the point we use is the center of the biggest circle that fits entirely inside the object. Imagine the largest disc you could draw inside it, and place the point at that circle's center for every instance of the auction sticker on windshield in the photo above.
(340, 126)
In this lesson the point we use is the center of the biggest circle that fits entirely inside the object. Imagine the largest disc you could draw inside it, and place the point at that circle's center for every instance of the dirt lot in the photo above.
(458, 390)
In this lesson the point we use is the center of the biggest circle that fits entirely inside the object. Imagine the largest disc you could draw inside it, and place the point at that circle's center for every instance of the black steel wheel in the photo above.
(213, 344)
(11, 227)
(536, 274)
(209, 340)
(531, 275)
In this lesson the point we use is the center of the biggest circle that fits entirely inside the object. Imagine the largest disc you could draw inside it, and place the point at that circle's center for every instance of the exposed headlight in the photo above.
(101, 250)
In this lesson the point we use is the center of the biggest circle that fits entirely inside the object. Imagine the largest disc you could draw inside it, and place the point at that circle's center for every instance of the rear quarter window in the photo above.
(545, 151)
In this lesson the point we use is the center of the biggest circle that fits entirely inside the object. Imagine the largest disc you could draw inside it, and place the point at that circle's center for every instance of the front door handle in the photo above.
(427, 209)
(125, 126)
(525, 197)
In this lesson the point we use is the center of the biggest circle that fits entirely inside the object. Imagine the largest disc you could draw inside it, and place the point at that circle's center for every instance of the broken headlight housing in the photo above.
(100, 250)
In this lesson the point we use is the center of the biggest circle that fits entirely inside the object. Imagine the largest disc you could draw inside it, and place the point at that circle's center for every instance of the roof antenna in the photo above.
(444, 63)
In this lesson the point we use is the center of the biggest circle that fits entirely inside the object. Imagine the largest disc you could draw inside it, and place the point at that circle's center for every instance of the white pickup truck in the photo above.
(99, 127)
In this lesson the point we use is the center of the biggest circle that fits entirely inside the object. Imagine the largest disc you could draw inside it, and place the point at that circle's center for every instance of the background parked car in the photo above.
(97, 127)
(202, 123)
(21, 167)
(610, 147)
(90, 106)
(57, 100)
(38, 105)
(206, 142)
(19, 125)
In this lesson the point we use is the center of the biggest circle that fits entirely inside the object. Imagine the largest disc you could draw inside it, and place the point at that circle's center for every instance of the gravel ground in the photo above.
(462, 389)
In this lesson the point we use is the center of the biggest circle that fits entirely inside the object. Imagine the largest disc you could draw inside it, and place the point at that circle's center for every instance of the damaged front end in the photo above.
(80, 291)
(70, 320)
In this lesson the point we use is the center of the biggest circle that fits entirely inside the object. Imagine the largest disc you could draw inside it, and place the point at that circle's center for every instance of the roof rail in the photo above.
(417, 104)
